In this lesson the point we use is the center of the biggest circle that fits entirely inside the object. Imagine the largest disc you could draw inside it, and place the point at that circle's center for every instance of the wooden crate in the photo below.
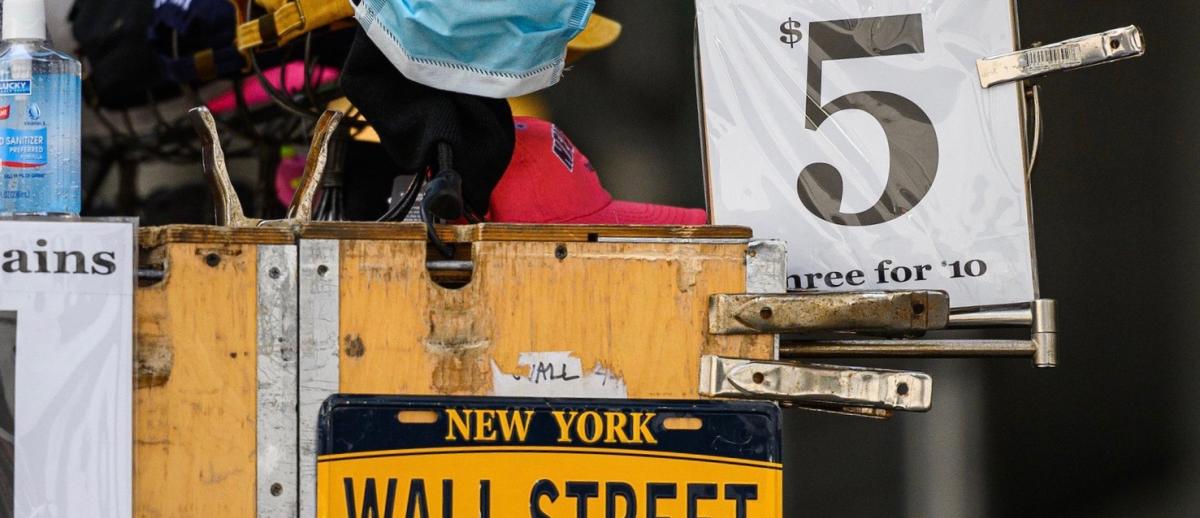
(626, 307)
(631, 302)
(195, 397)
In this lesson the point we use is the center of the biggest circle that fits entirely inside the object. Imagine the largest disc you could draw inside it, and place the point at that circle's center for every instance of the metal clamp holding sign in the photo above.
(860, 134)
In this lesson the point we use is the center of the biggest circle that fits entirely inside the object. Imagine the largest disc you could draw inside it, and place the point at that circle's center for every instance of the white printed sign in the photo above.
(66, 363)
(858, 132)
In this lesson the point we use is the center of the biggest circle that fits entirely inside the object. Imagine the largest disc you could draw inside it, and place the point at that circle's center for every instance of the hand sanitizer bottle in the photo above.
(40, 106)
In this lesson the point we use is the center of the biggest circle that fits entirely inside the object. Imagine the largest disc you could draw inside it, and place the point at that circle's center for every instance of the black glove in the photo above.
(412, 119)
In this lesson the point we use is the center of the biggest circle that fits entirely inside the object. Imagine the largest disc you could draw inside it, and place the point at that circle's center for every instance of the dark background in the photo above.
(1114, 431)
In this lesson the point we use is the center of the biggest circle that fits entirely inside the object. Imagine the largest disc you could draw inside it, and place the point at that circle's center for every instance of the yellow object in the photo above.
(599, 34)
(367, 133)
(519, 479)
(270, 5)
(291, 20)
(531, 105)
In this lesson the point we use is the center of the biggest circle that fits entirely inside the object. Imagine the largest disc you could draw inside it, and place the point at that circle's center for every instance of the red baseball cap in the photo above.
(550, 181)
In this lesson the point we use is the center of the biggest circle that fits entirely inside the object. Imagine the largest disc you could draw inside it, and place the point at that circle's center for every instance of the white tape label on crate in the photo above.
(557, 374)
(858, 132)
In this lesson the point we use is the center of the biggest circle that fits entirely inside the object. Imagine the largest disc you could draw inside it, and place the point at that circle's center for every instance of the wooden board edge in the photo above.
(152, 237)
(517, 232)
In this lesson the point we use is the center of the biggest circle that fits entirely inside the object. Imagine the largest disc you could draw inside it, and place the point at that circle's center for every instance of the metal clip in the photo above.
(899, 312)
(820, 386)
(229, 211)
(1042, 346)
(1095, 49)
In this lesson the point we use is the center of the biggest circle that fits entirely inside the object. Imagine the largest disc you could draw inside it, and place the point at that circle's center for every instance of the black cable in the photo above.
(308, 71)
(276, 96)
(398, 209)
(447, 251)
(243, 110)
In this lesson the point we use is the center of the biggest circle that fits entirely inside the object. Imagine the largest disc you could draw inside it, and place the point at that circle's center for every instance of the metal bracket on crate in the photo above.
(1042, 346)
(823, 387)
(228, 207)
(890, 312)
(1086, 51)
(852, 390)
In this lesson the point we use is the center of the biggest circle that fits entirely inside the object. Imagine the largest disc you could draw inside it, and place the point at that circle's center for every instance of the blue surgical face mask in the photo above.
(492, 48)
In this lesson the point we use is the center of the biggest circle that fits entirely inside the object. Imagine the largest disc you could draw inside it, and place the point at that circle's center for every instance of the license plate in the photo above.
(408, 457)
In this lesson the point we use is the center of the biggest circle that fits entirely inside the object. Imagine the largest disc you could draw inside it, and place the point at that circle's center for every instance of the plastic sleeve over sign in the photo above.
(66, 368)
(858, 132)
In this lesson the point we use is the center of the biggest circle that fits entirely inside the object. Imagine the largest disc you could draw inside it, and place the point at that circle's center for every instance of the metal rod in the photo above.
(456, 266)
(998, 318)
(150, 274)
(908, 348)
(1042, 347)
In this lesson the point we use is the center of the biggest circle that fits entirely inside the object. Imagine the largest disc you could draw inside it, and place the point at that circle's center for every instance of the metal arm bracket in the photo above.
(820, 386)
(1042, 347)
(898, 312)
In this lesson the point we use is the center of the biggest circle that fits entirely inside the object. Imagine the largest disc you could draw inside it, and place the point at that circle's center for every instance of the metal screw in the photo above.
(212, 260)
(902, 389)
(276, 489)
(274, 272)
(560, 252)
(759, 378)
(1115, 44)
(322, 270)
(918, 308)
(766, 313)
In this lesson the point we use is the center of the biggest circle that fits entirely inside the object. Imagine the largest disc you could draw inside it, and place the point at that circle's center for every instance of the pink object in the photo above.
(288, 174)
(550, 181)
(256, 96)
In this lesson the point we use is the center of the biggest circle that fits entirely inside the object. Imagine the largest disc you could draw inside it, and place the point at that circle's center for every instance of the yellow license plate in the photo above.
(408, 457)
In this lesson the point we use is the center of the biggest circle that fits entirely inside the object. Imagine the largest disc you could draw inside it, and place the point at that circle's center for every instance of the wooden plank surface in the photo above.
(636, 311)
(515, 232)
(194, 422)
(151, 237)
